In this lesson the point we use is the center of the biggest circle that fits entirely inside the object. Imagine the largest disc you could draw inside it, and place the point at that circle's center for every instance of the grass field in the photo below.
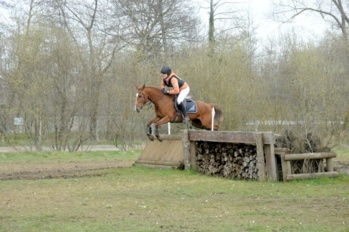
(141, 199)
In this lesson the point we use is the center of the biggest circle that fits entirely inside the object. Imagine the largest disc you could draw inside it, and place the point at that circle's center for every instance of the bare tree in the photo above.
(221, 11)
(154, 26)
(26, 57)
(216, 14)
(97, 48)
(335, 12)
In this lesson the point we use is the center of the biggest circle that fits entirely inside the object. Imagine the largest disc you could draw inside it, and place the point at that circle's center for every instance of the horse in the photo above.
(165, 110)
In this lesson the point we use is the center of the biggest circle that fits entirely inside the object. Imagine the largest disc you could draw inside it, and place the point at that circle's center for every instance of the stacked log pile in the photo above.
(230, 160)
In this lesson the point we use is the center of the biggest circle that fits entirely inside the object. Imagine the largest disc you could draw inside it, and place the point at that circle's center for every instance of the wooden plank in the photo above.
(160, 165)
(301, 156)
(170, 137)
(223, 136)
(166, 152)
(280, 150)
(311, 175)
(268, 138)
(260, 157)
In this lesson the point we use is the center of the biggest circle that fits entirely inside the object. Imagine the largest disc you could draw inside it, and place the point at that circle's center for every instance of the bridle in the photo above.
(145, 100)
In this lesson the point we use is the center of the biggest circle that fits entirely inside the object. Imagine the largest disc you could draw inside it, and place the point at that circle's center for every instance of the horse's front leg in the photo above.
(149, 130)
(158, 124)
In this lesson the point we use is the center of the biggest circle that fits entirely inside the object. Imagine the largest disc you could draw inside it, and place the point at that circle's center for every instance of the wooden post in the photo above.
(284, 164)
(289, 170)
(168, 128)
(192, 155)
(329, 164)
(186, 151)
(212, 118)
(284, 167)
(270, 157)
(260, 156)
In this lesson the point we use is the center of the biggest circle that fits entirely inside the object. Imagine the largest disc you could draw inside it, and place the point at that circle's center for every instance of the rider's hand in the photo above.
(165, 91)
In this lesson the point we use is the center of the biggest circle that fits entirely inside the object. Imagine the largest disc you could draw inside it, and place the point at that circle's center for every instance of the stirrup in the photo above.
(186, 119)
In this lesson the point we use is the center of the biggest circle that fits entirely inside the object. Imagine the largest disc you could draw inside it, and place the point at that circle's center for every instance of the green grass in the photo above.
(342, 153)
(143, 199)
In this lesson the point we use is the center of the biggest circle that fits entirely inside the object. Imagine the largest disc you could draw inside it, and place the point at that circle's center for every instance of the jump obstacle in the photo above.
(240, 155)
(165, 154)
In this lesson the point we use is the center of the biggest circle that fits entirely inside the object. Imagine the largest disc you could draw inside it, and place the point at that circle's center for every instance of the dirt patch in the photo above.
(72, 169)
(59, 170)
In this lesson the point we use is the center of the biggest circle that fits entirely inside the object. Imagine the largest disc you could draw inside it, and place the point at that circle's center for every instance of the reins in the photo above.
(155, 97)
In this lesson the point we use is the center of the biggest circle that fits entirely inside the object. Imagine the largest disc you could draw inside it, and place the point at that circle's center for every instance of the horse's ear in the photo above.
(143, 86)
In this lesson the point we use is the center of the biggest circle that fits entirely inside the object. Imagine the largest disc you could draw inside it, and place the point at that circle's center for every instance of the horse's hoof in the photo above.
(160, 140)
(151, 137)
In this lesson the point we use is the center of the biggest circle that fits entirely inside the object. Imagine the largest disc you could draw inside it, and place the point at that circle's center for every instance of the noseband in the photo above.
(146, 99)
(144, 96)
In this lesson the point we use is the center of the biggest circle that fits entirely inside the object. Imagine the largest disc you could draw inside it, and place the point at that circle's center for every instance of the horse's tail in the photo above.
(218, 113)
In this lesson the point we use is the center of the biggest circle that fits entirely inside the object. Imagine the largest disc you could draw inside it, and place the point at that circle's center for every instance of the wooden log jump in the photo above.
(264, 143)
(245, 155)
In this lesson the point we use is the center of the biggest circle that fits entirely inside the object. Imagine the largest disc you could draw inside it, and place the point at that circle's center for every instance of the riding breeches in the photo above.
(182, 94)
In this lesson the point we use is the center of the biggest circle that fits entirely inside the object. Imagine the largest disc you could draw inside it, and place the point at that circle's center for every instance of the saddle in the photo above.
(190, 106)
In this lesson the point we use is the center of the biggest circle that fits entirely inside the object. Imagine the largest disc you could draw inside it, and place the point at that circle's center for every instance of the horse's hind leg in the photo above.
(197, 123)
(207, 124)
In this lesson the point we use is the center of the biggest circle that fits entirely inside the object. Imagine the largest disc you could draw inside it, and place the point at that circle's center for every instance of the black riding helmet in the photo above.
(166, 70)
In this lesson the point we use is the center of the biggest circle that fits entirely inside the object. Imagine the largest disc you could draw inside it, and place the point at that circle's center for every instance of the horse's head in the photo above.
(141, 98)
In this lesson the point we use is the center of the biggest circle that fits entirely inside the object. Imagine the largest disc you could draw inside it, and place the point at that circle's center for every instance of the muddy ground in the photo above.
(76, 169)
(59, 170)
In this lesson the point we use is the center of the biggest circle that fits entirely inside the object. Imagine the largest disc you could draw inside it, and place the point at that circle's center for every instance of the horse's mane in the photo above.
(152, 87)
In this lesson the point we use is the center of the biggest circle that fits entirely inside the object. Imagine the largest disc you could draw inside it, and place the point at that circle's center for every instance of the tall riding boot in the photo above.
(184, 112)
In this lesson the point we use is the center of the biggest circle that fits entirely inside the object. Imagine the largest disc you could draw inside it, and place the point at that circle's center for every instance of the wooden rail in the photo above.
(287, 158)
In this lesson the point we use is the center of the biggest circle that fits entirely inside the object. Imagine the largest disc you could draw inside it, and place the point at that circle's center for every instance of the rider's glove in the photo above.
(165, 91)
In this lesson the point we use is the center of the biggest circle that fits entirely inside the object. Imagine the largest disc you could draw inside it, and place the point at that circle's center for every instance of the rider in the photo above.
(180, 87)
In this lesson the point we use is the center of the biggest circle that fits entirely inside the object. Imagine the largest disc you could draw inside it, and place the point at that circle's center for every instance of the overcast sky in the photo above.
(308, 27)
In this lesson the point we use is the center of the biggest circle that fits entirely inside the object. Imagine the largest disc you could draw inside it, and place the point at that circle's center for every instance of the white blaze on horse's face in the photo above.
(139, 104)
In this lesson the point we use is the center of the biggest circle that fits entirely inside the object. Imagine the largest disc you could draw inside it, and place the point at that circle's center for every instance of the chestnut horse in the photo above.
(165, 111)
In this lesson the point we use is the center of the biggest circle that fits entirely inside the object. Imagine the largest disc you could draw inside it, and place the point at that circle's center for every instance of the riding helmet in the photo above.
(166, 70)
